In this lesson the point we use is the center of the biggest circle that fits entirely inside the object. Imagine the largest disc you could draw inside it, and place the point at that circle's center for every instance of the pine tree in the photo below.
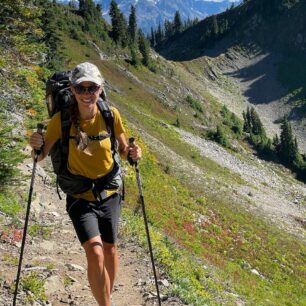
(177, 23)
(144, 49)
(276, 143)
(119, 28)
(168, 29)
(132, 28)
(288, 149)
(215, 30)
(152, 38)
(159, 36)
(247, 126)
(135, 60)
(99, 8)
(256, 125)
(221, 137)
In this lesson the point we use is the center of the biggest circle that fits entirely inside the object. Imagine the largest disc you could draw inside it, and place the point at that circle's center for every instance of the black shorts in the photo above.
(95, 218)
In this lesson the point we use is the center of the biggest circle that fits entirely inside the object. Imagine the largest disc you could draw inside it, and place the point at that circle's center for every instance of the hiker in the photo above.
(95, 212)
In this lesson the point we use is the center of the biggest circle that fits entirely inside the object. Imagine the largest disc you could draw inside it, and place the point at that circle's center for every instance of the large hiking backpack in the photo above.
(59, 99)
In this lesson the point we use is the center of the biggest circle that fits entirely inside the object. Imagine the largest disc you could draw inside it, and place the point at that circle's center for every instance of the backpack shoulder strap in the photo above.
(108, 117)
(65, 126)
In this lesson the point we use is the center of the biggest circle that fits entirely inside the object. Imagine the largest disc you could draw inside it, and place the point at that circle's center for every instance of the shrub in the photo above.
(221, 137)
(195, 104)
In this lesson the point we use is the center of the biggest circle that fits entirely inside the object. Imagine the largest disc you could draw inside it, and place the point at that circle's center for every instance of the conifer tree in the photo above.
(132, 28)
(119, 28)
(288, 149)
(215, 30)
(152, 38)
(159, 36)
(92, 16)
(247, 121)
(144, 49)
(256, 125)
(177, 23)
(135, 60)
(276, 143)
(168, 29)
(99, 8)
(221, 137)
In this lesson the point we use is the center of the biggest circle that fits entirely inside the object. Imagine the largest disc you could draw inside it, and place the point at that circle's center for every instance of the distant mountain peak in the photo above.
(152, 12)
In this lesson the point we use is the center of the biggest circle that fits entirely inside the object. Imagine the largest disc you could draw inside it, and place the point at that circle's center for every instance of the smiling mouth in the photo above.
(87, 101)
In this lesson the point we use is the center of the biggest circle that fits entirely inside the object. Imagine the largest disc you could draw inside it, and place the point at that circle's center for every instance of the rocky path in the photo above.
(56, 257)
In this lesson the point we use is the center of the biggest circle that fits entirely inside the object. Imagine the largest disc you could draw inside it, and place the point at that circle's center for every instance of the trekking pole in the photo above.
(37, 152)
(136, 166)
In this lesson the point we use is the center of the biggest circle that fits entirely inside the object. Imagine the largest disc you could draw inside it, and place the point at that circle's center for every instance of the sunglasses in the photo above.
(79, 89)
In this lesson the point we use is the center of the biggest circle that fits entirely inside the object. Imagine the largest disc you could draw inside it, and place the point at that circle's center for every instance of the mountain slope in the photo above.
(254, 55)
(218, 232)
(269, 25)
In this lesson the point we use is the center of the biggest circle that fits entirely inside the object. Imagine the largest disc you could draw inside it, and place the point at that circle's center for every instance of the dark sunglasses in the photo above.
(79, 89)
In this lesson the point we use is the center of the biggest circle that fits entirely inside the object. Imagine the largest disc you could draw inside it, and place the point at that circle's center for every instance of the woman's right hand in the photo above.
(37, 141)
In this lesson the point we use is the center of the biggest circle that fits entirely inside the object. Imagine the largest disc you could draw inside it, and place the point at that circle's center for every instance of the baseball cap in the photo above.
(86, 72)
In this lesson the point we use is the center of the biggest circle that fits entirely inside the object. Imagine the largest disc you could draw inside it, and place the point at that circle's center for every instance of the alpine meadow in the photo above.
(218, 107)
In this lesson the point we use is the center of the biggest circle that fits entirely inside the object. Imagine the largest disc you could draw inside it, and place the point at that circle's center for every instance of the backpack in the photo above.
(59, 99)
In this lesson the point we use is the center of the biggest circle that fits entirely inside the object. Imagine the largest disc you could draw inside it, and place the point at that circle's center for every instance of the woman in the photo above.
(95, 219)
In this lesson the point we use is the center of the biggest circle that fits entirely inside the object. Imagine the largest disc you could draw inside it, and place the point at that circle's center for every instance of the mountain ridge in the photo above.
(151, 13)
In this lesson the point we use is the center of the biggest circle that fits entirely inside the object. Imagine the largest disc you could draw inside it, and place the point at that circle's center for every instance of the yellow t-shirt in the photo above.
(96, 160)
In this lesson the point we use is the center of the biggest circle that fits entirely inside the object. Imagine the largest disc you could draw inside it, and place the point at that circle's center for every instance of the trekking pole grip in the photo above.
(39, 129)
(130, 160)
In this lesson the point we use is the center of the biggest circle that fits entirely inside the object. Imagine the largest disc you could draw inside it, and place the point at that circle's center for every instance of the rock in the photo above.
(140, 283)
(47, 245)
(53, 285)
(164, 282)
(55, 214)
(74, 267)
(246, 265)
(254, 271)
(37, 268)
(39, 171)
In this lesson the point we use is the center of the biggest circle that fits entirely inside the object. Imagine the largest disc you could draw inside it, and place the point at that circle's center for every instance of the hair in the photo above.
(81, 138)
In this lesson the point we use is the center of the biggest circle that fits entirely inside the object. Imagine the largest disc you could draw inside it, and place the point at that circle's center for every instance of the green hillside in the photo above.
(271, 24)
(214, 250)
(274, 27)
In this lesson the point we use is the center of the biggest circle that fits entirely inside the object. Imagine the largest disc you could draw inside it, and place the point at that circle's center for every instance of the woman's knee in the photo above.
(94, 250)
(109, 249)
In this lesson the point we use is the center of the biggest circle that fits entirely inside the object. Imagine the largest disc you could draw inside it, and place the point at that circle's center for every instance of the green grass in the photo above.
(228, 238)
(34, 284)
(9, 204)
(37, 230)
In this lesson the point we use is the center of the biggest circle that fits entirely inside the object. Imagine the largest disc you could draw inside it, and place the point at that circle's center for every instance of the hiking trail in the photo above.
(58, 258)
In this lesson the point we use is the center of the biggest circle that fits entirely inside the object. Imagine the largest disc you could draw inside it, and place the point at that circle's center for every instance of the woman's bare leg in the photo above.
(111, 261)
(98, 277)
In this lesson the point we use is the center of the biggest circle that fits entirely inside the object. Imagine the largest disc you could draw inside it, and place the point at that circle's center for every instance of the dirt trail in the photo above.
(60, 260)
